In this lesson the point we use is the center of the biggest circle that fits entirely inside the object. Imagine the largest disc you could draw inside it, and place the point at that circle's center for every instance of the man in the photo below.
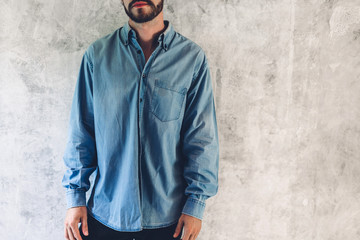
(143, 116)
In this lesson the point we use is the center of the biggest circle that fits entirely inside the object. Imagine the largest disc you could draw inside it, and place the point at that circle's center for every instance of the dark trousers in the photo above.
(98, 231)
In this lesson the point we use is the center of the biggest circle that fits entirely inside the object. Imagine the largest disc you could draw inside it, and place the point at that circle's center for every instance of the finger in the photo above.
(70, 234)
(84, 226)
(66, 235)
(193, 237)
(182, 233)
(196, 235)
(75, 232)
(178, 229)
(186, 235)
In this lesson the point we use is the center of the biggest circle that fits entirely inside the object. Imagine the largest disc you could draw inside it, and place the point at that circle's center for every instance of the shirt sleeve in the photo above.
(200, 144)
(80, 154)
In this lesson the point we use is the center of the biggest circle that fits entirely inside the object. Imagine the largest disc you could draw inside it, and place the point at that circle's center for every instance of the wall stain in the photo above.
(356, 34)
(202, 9)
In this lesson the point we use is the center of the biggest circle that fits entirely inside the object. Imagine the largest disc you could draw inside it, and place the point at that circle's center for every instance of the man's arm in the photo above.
(80, 155)
(200, 143)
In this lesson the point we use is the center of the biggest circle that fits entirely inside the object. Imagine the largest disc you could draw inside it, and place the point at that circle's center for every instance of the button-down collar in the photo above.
(164, 38)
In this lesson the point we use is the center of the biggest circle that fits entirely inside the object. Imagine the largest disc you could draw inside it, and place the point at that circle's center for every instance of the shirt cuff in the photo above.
(75, 198)
(194, 207)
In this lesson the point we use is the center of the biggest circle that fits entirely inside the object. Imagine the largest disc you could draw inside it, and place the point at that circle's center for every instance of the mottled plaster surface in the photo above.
(286, 83)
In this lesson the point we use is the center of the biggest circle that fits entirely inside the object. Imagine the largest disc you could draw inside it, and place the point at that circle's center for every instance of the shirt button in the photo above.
(143, 75)
(138, 51)
(140, 99)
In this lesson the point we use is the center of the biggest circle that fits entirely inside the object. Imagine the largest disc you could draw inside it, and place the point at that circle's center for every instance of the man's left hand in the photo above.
(192, 226)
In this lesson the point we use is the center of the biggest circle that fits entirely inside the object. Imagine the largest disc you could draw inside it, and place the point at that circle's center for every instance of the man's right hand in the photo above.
(73, 217)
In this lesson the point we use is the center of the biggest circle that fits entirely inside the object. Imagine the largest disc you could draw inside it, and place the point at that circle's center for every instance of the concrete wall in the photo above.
(286, 80)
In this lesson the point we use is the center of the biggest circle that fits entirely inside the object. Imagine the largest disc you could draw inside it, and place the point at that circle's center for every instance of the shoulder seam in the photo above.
(89, 56)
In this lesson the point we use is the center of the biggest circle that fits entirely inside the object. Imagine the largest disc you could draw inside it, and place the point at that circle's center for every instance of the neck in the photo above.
(147, 33)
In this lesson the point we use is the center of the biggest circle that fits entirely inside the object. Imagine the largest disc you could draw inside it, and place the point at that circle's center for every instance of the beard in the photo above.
(141, 15)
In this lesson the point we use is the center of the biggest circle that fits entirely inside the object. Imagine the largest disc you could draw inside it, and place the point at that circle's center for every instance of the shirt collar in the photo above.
(164, 38)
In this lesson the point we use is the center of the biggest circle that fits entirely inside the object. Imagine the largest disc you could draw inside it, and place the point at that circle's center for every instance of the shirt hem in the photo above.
(162, 225)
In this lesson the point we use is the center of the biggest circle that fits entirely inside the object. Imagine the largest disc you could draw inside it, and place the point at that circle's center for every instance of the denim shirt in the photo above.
(146, 128)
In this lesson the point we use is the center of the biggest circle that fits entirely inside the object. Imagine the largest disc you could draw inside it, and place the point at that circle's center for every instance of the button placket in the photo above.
(142, 84)
(143, 76)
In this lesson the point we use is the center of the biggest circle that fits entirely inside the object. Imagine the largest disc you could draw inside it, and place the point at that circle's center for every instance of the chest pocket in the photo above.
(166, 101)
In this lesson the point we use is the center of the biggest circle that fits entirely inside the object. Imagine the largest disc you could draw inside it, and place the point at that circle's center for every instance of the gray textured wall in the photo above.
(286, 80)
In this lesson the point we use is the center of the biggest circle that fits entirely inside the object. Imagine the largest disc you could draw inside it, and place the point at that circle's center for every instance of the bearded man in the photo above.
(143, 120)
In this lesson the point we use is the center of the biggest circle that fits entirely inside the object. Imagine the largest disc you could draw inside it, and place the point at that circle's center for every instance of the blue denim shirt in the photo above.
(148, 129)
